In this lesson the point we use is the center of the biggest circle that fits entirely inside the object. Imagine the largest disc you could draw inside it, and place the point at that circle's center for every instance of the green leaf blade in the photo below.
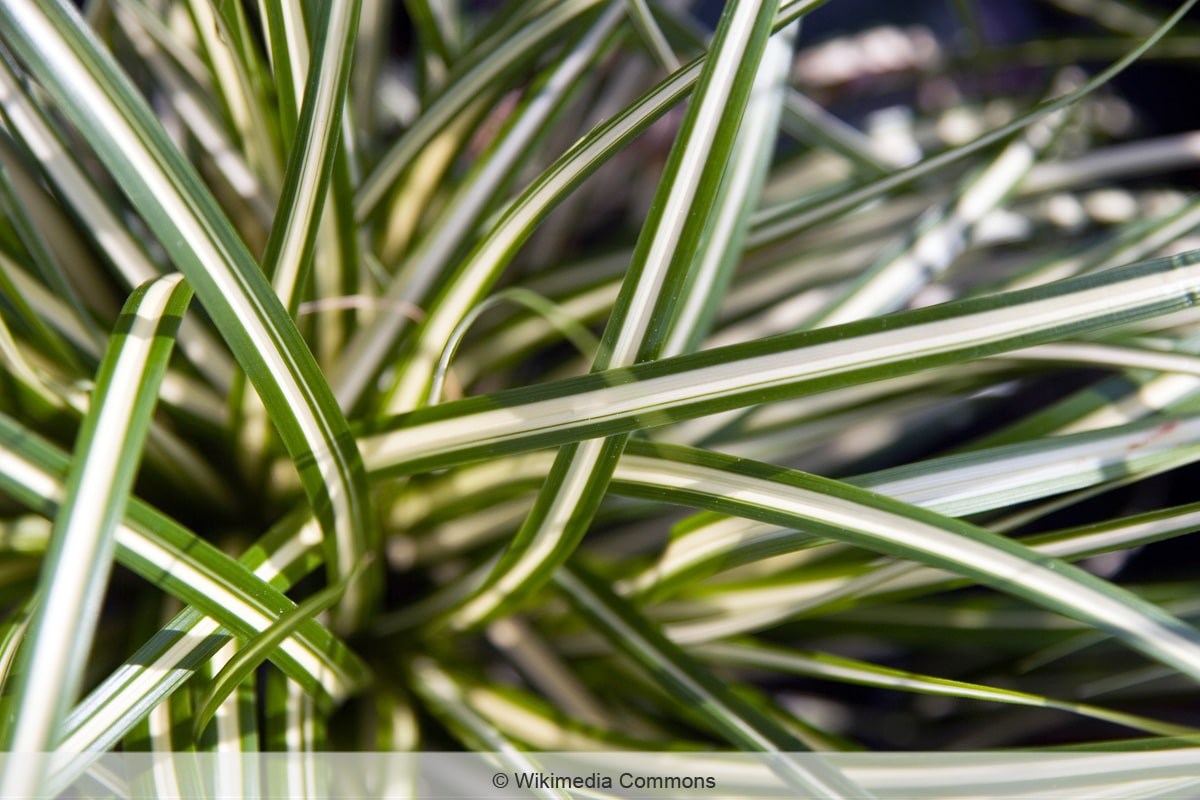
(169, 194)
(79, 559)
(645, 307)
(247, 658)
(790, 365)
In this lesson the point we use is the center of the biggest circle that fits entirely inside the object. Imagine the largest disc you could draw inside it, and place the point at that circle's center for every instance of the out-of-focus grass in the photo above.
(629, 382)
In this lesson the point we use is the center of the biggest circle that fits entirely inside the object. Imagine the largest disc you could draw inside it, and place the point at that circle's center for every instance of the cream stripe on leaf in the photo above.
(53, 656)
(845, 513)
(954, 485)
(479, 72)
(289, 253)
(127, 256)
(958, 485)
(96, 96)
(483, 265)
(741, 186)
(789, 218)
(434, 254)
(650, 292)
(288, 552)
(161, 551)
(292, 244)
(698, 384)
(693, 684)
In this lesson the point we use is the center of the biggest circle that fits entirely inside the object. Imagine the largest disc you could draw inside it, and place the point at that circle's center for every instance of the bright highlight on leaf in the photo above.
(260, 648)
(768, 375)
(54, 652)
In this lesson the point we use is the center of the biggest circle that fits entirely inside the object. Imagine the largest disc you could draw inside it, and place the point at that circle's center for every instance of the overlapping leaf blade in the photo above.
(51, 663)
(684, 387)
(645, 307)
(95, 95)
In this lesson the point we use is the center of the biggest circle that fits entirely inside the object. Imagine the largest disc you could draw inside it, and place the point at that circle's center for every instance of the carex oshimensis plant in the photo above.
(589, 375)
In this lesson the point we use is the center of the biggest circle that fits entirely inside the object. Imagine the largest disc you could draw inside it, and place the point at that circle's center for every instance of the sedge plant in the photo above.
(580, 375)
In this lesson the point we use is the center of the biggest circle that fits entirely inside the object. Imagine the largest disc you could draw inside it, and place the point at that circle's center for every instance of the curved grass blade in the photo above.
(444, 697)
(1070, 544)
(646, 306)
(97, 97)
(164, 553)
(168, 459)
(788, 219)
(741, 185)
(289, 253)
(967, 483)
(165, 662)
(738, 721)
(108, 450)
(499, 57)
(849, 670)
(571, 329)
(856, 516)
(424, 267)
(482, 267)
(129, 695)
(113, 238)
(335, 255)
(780, 367)
(260, 648)
(292, 245)
(484, 264)
(708, 542)
(806, 121)
(712, 541)
(953, 485)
